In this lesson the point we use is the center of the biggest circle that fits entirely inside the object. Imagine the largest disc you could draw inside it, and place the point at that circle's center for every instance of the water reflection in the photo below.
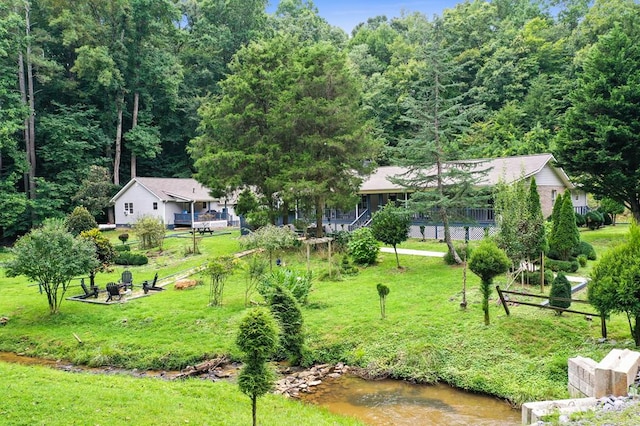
(393, 402)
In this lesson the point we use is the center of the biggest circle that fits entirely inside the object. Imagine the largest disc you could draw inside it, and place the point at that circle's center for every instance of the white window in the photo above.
(128, 209)
(155, 206)
(554, 195)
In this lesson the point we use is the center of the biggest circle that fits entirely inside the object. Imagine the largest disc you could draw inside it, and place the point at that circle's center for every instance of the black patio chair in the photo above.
(127, 280)
(146, 285)
(88, 293)
(113, 290)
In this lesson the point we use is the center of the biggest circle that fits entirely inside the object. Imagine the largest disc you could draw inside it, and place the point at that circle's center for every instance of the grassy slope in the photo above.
(425, 337)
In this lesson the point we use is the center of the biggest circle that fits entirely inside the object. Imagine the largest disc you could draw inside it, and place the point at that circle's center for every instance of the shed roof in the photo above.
(170, 189)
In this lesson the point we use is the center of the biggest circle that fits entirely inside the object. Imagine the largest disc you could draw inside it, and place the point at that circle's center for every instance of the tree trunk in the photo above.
(23, 95)
(397, 258)
(635, 209)
(118, 153)
(319, 210)
(136, 100)
(32, 114)
(254, 407)
(635, 330)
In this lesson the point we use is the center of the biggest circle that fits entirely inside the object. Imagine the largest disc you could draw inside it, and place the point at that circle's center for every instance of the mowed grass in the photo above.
(425, 337)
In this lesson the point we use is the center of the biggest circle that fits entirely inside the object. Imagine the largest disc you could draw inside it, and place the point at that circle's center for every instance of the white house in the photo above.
(176, 201)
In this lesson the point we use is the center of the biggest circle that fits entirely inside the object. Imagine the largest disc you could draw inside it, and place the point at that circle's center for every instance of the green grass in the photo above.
(43, 396)
(425, 337)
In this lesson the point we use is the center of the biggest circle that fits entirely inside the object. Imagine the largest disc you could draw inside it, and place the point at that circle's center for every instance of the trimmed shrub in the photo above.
(80, 220)
(594, 219)
(560, 288)
(585, 249)
(363, 247)
(123, 237)
(287, 312)
(463, 250)
(121, 248)
(562, 265)
(347, 268)
(533, 277)
(580, 221)
(607, 219)
(582, 260)
(128, 258)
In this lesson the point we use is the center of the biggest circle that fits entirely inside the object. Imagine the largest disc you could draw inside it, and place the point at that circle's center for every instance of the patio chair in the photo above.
(127, 279)
(113, 290)
(88, 293)
(146, 285)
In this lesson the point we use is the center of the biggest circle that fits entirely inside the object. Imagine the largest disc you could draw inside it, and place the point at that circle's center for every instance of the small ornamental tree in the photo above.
(383, 291)
(257, 339)
(391, 226)
(150, 231)
(124, 237)
(287, 312)
(105, 253)
(271, 239)
(555, 213)
(565, 236)
(611, 207)
(218, 270)
(80, 220)
(487, 261)
(51, 256)
(560, 288)
(363, 247)
(615, 282)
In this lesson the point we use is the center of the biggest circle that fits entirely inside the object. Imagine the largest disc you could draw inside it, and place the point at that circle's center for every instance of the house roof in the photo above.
(170, 189)
(506, 169)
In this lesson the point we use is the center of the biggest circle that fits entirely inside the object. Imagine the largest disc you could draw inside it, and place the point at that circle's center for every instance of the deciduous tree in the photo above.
(391, 226)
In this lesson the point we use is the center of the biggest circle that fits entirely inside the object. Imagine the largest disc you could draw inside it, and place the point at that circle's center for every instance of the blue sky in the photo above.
(348, 13)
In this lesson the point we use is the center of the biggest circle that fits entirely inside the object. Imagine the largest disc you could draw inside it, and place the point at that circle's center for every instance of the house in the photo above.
(378, 189)
(176, 201)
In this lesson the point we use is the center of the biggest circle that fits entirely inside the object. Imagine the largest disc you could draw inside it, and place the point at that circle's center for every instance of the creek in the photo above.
(374, 402)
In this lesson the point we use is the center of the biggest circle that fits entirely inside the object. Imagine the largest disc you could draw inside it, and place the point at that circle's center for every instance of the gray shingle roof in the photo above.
(172, 189)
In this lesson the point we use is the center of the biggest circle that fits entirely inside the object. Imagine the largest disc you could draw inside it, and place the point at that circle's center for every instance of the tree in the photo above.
(150, 230)
(565, 236)
(487, 261)
(218, 270)
(391, 226)
(560, 288)
(105, 253)
(438, 117)
(271, 239)
(612, 208)
(615, 282)
(287, 312)
(257, 339)
(80, 220)
(602, 126)
(383, 291)
(51, 256)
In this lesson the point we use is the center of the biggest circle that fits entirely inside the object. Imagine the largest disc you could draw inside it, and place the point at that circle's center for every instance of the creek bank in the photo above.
(296, 382)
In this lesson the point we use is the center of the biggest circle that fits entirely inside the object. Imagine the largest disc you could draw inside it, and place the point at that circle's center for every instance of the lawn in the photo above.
(425, 337)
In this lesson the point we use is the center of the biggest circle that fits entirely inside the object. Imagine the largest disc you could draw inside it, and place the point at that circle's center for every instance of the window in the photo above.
(554, 195)
(128, 209)
(204, 204)
(155, 205)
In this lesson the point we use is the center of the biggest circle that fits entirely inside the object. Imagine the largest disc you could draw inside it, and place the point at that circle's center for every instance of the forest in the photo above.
(95, 92)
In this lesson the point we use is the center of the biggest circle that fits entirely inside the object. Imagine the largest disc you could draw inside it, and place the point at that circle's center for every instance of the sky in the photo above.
(349, 13)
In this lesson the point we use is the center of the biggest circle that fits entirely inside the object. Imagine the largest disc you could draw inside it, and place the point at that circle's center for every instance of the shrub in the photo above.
(298, 284)
(341, 241)
(562, 265)
(150, 231)
(80, 220)
(560, 288)
(533, 277)
(124, 237)
(486, 262)
(363, 247)
(463, 250)
(582, 260)
(286, 310)
(607, 219)
(585, 249)
(594, 219)
(122, 248)
(346, 267)
(128, 258)
(580, 221)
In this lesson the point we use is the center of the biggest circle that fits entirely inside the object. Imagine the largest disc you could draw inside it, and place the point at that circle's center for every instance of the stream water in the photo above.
(394, 402)
(375, 402)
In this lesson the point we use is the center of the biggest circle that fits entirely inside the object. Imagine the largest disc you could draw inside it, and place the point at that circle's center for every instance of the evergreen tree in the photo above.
(565, 236)
(487, 261)
(535, 237)
(555, 213)
(560, 288)
(257, 339)
(287, 312)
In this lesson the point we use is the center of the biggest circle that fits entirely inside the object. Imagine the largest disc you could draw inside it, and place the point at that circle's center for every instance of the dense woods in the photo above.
(95, 92)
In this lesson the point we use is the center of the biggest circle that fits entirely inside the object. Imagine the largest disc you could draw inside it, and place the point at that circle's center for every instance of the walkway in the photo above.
(413, 252)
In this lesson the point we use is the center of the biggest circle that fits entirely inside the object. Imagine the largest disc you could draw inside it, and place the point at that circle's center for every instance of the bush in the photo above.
(122, 248)
(594, 219)
(363, 247)
(150, 231)
(123, 237)
(298, 284)
(347, 268)
(560, 288)
(607, 219)
(463, 250)
(586, 249)
(533, 277)
(341, 241)
(80, 220)
(582, 260)
(562, 265)
(128, 258)
(287, 312)
(580, 221)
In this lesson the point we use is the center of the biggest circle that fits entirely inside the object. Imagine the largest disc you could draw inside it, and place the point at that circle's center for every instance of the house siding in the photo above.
(142, 205)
